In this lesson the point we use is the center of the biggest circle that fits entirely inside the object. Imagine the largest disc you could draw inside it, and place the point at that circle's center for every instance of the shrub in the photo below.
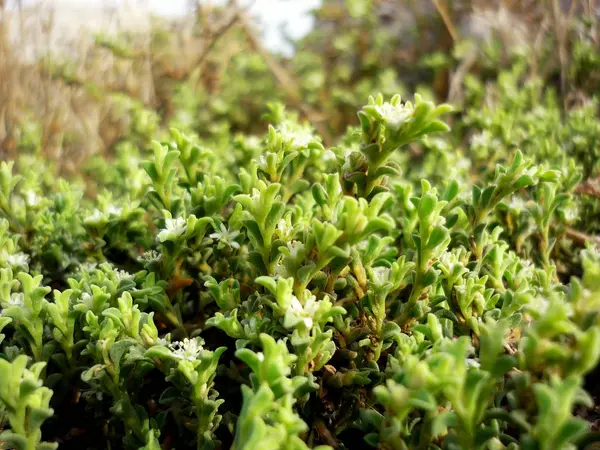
(298, 297)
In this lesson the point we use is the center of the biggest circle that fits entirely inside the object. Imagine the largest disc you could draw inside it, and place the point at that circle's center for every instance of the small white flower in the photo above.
(473, 362)
(284, 229)
(122, 275)
(88, 266)
(462, 164)
(381, 275)
(571, 213)
(439, 221)
(517, 204)
(328, 155)
(31, 198)
(539, 305)
(253, 142)
(149, 256)
(302, 138)
(136, 182)
(251, 327)
(188, 349)
(18, 259)
(225, 236)
(133, 161)
(17, 299)
(115, 210)
(255, 195)
(161, 341)
(280, 270)
(294, 248)
(447, 259)
(395, 115)
(465, 195)
(579, 140)
(87, 300)
(297, 313)
(480, 139)
(96, 217)
(527, 270)
(299, 137)
(173, 228)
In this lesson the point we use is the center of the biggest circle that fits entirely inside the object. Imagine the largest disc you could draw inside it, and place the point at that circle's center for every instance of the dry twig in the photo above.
(589, 187)
(443, 11)
(581, 238)
(286, 81)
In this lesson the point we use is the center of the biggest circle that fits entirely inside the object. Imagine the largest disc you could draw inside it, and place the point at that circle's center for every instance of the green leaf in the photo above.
(570, 431)
(10, 440)
(319, 194)
(442, 422)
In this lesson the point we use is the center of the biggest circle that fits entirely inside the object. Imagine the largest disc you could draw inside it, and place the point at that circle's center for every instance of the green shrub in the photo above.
(296, 296)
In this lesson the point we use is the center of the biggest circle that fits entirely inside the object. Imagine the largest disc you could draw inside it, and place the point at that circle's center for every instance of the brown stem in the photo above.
(589, 187)
(443, 11)
(581, 238)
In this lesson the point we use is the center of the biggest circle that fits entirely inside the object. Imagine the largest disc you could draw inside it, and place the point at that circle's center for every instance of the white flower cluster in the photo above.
(88, 266)
(381, 275)
(95, 218)
(87, 300)
(299, 137)
(31, 198)
(484, 141)
(298, 313)
(395, 116)
(517, 204)
(570, 213)
(539, 305)
(295, 247)
(173, 229)
(451, 260)
(226, 237)
(16, 299)
(253, 142)
(526, 271)
(255, 195)
(114, 210)
(188, 349)
(284, 229)
(438, 221)
(122, 275)
(149, 256)
(19, 259)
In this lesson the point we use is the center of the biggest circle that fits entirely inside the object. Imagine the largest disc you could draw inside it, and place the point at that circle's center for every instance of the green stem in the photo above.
(379, 319)
(415, 294)
(321, 263)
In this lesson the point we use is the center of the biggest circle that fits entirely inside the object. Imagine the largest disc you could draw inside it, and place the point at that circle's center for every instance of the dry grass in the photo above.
(73, 97)
(70, 84)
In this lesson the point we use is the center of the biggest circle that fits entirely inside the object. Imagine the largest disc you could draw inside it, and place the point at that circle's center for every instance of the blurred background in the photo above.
(82, 78)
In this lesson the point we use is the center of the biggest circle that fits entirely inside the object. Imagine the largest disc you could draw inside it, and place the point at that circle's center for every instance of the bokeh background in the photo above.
(77, 78)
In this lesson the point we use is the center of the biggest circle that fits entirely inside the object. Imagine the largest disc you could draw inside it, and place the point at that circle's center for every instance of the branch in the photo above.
(286, 81)
(443, 12)
(581, 238)
(213, 41)
(589, 187)
(214, 37)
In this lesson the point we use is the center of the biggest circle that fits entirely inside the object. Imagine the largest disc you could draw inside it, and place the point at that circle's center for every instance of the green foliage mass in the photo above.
(429, 281)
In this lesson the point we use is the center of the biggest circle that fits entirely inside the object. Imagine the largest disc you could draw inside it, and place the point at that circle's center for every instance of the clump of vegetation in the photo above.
(419, 276)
